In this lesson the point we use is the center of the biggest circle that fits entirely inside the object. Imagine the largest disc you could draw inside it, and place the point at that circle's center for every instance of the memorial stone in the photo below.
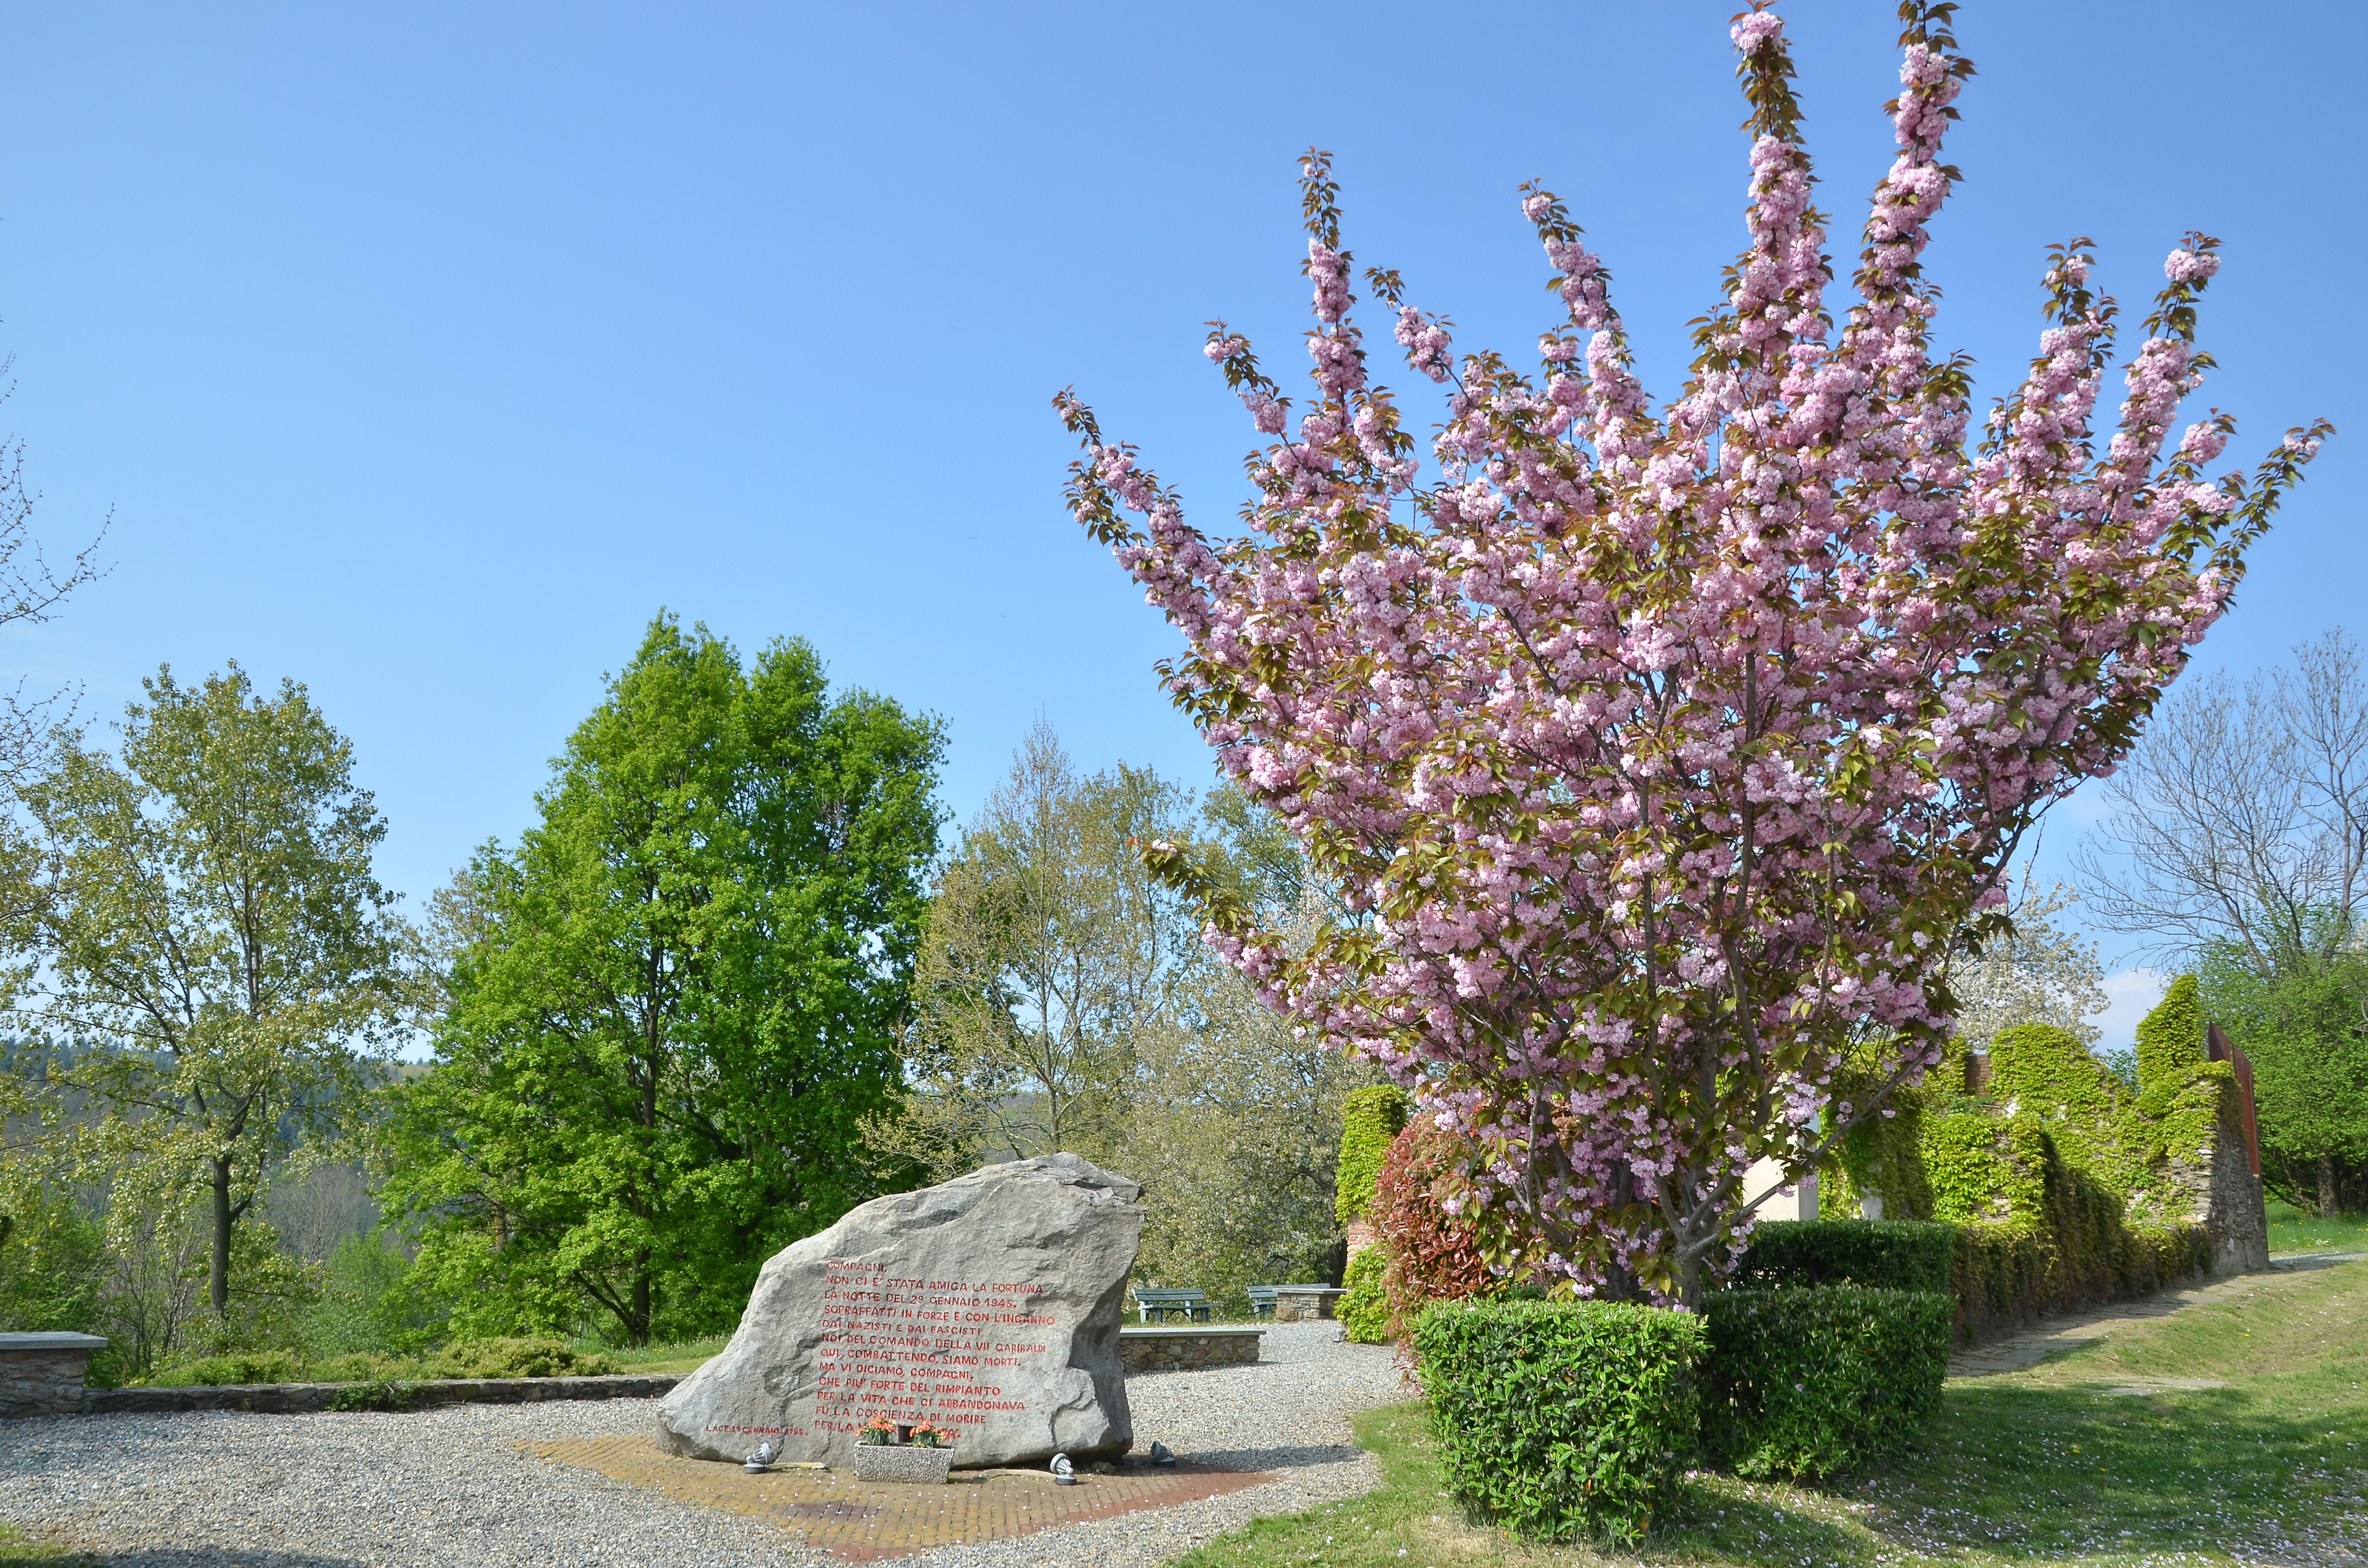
(988, 1305)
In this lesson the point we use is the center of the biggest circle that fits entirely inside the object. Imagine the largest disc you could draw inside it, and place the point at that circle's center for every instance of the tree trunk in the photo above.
(1619, 1280)
(640, 1327)
(223, 1220)
(2328, 1200)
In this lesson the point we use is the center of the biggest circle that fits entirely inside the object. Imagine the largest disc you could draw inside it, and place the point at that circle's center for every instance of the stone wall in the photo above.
(43, 1379)
(1182, 1349)
(290, 1398)
(294, 1399)
(1301, 1303)
(2219, 1185)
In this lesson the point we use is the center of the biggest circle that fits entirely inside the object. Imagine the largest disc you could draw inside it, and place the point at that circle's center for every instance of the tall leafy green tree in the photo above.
(1050, 962)
(672, 1004)
(1066, 1002)
(2303, 1022)
(217, 947)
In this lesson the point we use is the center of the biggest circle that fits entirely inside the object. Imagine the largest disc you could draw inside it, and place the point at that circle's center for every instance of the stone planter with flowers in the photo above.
(887, 1450)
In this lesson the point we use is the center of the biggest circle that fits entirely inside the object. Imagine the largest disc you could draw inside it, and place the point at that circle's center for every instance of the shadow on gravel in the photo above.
(13, 1552)
(2302, 1262)
(1306, 1457)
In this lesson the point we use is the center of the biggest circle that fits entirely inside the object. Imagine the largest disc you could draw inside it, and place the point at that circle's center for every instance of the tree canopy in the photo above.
(1668, 749)
(674, 1002)
(222, 960)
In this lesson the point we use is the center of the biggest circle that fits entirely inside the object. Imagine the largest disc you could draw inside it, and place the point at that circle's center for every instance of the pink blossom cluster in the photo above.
(1665, 756)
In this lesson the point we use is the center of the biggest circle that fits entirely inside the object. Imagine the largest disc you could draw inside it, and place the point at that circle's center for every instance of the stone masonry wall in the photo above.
(40, 1382)
(1184, 1351)
(2234, 1211)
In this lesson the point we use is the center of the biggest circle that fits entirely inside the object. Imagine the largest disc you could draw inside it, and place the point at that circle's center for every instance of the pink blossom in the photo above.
(1661, 753)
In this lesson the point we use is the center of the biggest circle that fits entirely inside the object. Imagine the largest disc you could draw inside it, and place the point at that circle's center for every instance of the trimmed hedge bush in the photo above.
(1563, 1419)
(1888, 1255)
(238, 1366)
(379, 1394)
(1802, 1384)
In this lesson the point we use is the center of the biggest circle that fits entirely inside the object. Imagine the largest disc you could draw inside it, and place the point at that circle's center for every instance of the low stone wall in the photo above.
(42, 1374)
(291, 1399)
(1305, 1303)
(1178, 1349)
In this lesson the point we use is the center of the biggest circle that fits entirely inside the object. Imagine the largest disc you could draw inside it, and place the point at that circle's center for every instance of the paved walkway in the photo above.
(864, 1522)
(2073, 1330)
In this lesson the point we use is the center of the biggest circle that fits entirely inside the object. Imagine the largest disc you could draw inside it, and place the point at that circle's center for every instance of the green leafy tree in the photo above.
(672, 1007)
(53, 1259)
(216, 943)
(1065, 1002)
(366, 1303)
(1238, 1114)
(1050, 960)
(1236, 1128)
(2304, 1027)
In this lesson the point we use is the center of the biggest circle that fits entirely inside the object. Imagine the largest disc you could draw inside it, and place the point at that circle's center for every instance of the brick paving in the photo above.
(870, 1521)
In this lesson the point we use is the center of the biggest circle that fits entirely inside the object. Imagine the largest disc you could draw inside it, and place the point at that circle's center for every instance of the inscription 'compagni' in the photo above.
(918, 1349)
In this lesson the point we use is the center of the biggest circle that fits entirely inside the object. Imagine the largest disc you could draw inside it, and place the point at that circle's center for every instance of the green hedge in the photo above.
(470, 1359)
(1893, 1254)
(1563, 1419)
(2068, 1243)
(1802, 1384)
(2008, 1272)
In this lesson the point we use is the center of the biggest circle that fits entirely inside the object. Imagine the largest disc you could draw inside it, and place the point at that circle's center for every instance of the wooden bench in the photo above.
(1262, 1301)
(1154, 1305)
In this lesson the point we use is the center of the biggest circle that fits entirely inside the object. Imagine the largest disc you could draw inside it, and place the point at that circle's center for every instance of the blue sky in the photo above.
(422, 353)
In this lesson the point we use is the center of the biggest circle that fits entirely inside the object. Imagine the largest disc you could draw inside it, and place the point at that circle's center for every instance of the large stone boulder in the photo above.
(989, 1305)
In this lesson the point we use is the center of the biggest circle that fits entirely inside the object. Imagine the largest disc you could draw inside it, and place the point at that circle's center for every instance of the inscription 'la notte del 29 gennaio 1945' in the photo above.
(988, 1305)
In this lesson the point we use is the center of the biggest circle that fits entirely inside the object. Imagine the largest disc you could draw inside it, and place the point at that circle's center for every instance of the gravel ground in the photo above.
(450, 1486)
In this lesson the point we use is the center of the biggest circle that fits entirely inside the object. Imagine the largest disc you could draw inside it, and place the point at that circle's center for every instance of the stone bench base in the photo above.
(42, 1374)
(1157, 1349)
(291, 1399)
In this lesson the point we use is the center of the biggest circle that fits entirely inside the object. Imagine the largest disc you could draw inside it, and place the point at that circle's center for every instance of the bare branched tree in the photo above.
(31, 592)
(2242, 817)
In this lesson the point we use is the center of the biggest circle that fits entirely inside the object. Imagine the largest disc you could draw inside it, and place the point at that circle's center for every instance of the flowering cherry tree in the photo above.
(1664, 757)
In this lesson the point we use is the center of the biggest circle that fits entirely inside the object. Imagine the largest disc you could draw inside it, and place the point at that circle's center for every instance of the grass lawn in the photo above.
(2094, 1456)
(2343, 1233)
(686, 1358)
(15, 1548)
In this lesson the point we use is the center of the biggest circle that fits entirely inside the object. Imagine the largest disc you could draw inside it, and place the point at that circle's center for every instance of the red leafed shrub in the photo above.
(1434, 1252)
